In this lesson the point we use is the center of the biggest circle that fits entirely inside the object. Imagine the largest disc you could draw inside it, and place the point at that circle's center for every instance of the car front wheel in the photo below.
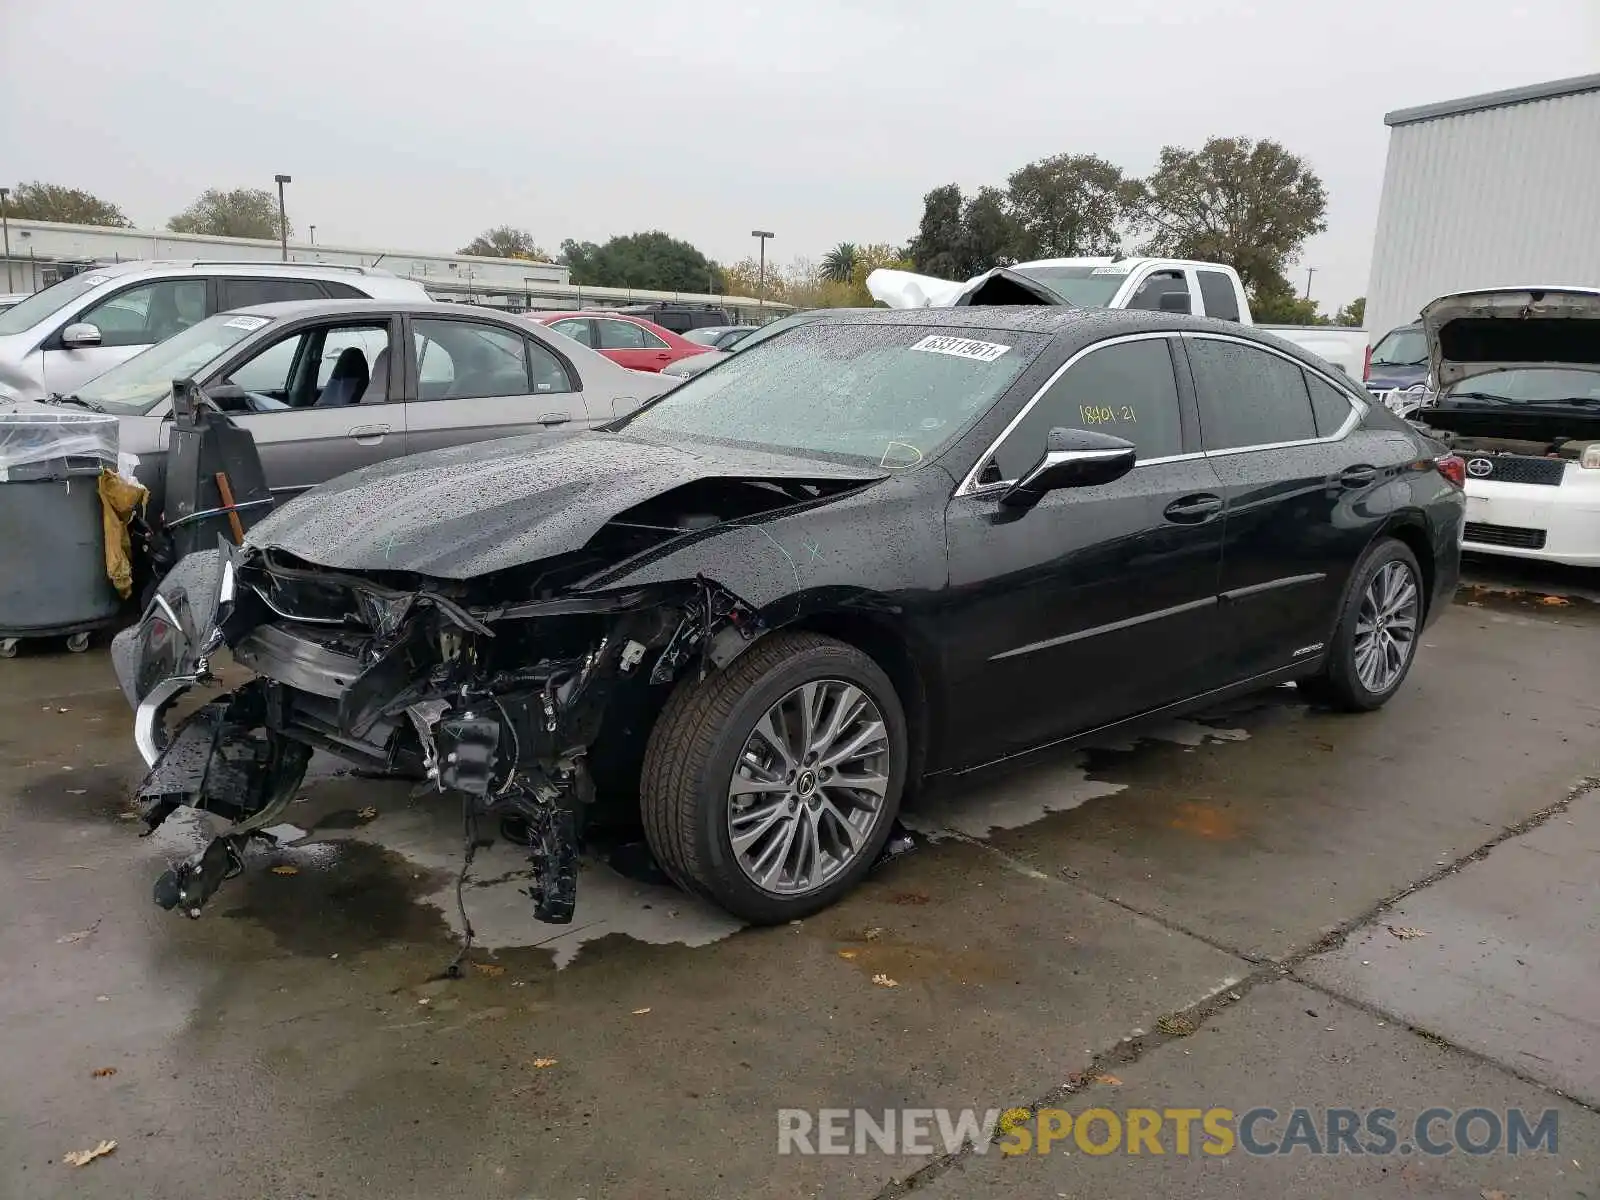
(1376, 638)
(770, 787)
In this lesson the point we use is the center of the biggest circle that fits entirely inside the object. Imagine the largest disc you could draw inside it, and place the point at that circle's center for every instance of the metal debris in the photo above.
(639, 1012)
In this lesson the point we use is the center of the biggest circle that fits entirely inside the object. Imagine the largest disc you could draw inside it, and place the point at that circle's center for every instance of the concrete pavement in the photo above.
(298, 1041)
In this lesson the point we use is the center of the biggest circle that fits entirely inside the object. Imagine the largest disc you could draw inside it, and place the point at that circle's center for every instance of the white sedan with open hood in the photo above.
(1518, 376)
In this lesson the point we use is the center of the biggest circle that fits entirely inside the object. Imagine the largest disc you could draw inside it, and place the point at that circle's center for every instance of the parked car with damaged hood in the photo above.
(1518, 376)
(875, 549)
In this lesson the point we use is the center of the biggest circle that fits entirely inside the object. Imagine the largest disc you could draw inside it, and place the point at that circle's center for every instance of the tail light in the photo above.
(1453, 467)
(1366, 366)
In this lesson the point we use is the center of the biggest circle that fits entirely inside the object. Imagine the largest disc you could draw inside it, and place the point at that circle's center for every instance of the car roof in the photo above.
(222, 266)
(290, 309)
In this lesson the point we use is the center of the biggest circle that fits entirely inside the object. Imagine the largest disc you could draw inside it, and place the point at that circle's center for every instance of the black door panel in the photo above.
(1092, 605)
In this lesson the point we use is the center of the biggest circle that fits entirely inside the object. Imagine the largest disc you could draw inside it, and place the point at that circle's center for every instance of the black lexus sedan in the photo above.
(878, 548)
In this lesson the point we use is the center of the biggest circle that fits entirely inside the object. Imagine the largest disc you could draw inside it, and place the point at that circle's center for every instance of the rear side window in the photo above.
(342, 291)
(1163, 284)
(1329, 405)
(576, 328)
(1247, 396)
(242, 293)
(1221, 301)
(1127, 390)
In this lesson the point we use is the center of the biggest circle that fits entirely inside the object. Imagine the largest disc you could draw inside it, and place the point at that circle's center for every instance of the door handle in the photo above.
(1357, 477)
(367, 435)
(664, 356)
(552, 419)
(1193, 509)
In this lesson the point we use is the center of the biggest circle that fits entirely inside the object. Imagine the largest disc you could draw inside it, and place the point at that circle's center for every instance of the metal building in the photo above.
(1502, 188)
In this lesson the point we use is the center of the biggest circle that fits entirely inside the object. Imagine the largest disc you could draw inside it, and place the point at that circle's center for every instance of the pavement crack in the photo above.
(1134, 1048)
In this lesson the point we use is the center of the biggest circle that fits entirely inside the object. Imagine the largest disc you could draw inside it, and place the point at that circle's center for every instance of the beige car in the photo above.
(326, 386)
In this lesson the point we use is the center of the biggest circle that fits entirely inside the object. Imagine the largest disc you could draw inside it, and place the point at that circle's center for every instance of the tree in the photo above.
(1249, 204)
(505, 241)
(839, 264)
(936, 250)
(988, 233)
(242, 213)
(1275, 303)
(744, 279)
(1069, 205)
(651, 261)
(1354, 313)
(52, 202)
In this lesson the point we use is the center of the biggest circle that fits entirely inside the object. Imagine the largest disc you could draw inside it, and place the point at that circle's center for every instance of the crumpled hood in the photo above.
(1474, 333)
(467, 511)
(905, 289)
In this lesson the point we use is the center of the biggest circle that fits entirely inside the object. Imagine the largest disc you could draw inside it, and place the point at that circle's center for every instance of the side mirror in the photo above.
(1175, 302)
(80, 334)
(1072, 458)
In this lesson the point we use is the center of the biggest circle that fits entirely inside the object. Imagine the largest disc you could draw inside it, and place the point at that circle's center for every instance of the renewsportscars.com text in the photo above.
(1180, 1132)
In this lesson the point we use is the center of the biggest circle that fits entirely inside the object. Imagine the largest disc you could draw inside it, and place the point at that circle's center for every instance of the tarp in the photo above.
(34, 435)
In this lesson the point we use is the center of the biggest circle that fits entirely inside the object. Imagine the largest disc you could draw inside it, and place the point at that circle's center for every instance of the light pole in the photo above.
(1310, 271)
(283, 221)
(5, 228)
(313, 235)
(761, 283)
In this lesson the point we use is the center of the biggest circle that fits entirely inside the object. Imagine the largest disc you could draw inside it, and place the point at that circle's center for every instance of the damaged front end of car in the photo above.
(494, 690)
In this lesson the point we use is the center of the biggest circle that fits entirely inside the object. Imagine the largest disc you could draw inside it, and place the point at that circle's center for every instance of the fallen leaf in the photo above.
(908, 898)
(77, 791)
(1406, 932)
(541, 1063)
(1493, 1194)
(1112, 1080)
(127, 816)
(885, 981)
(1175, 1024)
(1012, 1118)
(1552, 601)
(102, 1072)
(77, 1158)
(489, 969)
(285, 869)
(366, 814)
(848, 953)
(62, 710)
(76, 935)
(871, 935)
(639, 1012)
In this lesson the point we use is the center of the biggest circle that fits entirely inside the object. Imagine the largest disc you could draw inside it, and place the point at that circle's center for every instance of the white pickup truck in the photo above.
(1164, 284)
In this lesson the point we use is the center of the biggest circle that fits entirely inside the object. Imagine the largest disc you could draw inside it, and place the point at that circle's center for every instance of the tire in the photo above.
(701, 738)
(1340, 683)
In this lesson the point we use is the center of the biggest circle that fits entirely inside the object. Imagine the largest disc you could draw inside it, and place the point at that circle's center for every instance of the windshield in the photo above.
(1541, 385)
(885, 395)
(706, 335)
(24, 315)
(1401, 348)
(142, 382)
(1089, 284)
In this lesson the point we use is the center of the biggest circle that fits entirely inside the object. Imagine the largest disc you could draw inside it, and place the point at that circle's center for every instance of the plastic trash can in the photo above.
(53, 579)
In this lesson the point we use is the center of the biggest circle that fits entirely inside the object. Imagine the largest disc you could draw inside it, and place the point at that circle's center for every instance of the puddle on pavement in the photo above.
(1508, 599)
(986, 806)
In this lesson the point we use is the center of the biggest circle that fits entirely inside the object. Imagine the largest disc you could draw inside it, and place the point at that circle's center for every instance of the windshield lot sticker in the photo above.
(1113, 269)
(245, 323)
(959, 347)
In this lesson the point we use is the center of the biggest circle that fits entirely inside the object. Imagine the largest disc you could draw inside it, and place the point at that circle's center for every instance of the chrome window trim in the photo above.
(1358, 408)
(970, 484)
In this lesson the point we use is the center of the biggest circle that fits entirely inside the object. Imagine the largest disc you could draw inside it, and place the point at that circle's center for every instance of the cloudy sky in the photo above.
(414, 125)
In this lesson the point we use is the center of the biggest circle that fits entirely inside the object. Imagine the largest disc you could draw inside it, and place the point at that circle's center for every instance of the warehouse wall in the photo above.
(1504, 195)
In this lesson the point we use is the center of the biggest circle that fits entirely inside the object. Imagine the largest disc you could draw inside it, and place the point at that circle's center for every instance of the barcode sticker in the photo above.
(959, 347)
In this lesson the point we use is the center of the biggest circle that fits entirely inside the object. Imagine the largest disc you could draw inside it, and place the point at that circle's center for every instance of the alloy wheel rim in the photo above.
(808, 788)
(1386, 627)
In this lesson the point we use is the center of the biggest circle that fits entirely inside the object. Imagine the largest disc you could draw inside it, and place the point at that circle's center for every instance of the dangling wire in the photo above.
(470, 832)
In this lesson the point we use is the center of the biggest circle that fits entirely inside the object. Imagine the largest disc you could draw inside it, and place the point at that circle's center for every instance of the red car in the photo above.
(628, 341)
